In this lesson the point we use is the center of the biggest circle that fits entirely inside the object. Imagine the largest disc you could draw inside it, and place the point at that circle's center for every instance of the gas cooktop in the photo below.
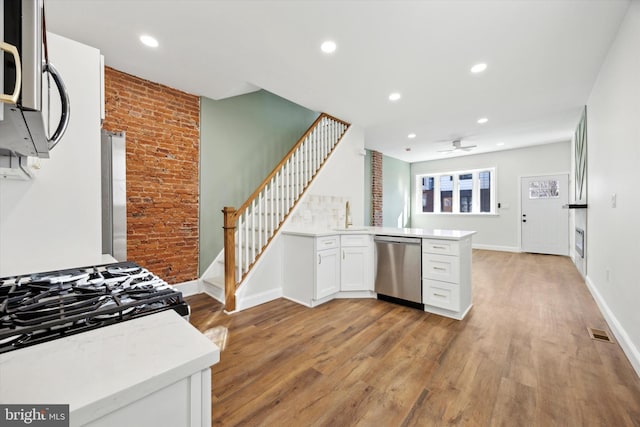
(40, 307)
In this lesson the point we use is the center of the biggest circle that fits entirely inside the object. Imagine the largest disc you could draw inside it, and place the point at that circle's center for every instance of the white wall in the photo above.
(501, 231)
(613, 138)
(53, 221)
(343, 176)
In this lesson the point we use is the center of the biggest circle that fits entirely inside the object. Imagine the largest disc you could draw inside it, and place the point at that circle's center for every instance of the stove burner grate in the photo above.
(45, 306)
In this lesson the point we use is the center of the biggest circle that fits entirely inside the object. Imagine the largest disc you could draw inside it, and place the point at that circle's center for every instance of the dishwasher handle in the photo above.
(397, 239)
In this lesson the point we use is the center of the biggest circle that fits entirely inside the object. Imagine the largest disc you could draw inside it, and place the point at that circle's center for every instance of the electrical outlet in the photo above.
(613, 200)
(607, 273)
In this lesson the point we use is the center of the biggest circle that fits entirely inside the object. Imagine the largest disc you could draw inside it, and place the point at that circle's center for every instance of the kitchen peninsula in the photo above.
(323, 264)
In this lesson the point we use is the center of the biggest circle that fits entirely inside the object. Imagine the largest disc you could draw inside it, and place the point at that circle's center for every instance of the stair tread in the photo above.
(215, 281)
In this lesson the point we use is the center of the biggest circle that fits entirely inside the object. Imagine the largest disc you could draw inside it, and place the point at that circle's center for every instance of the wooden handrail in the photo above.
(275, 170)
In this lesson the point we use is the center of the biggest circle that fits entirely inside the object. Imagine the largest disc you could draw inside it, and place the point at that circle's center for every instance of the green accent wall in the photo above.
(396, 193)
(241, 140)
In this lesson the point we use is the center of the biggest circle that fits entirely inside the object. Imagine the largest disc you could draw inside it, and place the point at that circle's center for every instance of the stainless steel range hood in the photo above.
(24, 125)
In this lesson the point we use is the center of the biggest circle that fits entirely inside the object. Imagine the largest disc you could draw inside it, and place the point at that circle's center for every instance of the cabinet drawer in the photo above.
(444, 247)
(327, 242)
(355, 240)
(441, 294)
(441, 267)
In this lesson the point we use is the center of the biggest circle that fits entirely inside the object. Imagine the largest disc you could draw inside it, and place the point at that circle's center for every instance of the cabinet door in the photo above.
(327, 272)
(353, 269)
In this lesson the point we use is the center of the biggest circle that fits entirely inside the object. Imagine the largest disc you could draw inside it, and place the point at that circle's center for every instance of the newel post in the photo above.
(229, 258)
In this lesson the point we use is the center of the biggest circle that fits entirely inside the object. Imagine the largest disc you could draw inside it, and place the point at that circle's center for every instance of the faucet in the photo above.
(347, 215)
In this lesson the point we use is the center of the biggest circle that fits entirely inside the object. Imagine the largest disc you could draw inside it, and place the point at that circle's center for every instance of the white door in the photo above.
(545, 224)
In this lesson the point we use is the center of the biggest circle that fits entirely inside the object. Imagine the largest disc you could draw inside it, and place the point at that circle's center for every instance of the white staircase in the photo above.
(250, 229)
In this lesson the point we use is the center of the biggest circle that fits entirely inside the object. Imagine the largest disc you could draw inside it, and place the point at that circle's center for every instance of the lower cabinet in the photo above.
(186, 403)
(446, 277)
(311, 270)
(317, 268)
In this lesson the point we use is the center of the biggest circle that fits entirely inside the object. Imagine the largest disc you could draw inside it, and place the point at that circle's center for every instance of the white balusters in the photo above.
(257, 224)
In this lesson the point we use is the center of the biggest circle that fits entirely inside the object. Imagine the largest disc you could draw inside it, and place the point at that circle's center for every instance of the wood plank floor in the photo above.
(522, 357)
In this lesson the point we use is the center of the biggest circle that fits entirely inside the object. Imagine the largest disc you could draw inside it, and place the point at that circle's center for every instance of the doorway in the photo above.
(544, 223)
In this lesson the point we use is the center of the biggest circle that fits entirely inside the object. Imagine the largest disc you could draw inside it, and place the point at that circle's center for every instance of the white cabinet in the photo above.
(319, 268)
(356, 264)
(185, 403)
(311, 270)
(446, 277)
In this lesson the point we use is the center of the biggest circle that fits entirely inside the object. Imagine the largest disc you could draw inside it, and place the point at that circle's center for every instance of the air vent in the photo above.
(599, 334)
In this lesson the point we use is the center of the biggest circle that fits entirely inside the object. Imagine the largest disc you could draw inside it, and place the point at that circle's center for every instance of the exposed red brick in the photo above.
(376, 189)
(162, 126)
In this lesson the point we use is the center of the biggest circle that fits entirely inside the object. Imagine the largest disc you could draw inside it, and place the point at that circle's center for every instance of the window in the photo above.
(461, 192)
(465, 188)
(427, 194)
(485, 191)
(446, 193)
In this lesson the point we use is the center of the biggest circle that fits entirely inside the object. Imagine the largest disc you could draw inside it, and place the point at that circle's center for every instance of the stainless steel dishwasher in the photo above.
(399, 269)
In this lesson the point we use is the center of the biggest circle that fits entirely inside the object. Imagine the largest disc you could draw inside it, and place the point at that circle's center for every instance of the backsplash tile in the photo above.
(319, 212)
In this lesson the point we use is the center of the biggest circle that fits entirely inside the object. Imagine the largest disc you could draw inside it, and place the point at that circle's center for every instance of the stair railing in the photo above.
(249, 229)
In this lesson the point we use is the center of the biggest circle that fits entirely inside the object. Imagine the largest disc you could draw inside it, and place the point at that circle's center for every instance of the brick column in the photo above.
(376, 189)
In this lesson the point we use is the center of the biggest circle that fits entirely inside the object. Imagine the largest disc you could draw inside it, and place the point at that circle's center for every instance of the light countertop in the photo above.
(385, 231)
(99, 371)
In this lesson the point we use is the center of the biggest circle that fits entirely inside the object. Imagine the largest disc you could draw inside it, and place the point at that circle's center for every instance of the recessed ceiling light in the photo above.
(478, 68)
(394, 96)
(483, 120)
(149, 41)
(499, 144)
(411, 135)
(328, 46)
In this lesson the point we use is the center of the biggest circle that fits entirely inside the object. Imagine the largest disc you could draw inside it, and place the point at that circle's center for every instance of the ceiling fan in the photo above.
(457, 146)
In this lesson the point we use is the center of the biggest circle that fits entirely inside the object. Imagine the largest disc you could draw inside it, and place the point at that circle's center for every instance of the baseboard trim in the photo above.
(496, 248)
(192, 287)
(355, 294)
(245, 302)
(297, 301)
(629, 349)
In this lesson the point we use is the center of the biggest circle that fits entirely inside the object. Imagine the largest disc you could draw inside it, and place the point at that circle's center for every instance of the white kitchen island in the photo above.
(322, 264)
(149, 371)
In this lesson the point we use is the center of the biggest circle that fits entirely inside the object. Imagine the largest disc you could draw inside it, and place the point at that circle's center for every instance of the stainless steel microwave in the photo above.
(25, 74)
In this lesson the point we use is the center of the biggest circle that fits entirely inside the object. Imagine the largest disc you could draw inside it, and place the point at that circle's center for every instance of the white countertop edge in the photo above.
(99, 371)
(122, 398)
(386, 231)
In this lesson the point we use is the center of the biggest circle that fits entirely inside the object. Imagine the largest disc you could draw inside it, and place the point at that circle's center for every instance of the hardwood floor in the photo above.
(522, 357)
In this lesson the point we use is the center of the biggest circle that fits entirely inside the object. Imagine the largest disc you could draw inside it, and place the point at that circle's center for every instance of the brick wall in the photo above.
(162, 128)
(376, 189)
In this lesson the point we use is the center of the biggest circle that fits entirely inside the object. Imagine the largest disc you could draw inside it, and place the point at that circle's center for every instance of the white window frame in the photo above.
(475, 198)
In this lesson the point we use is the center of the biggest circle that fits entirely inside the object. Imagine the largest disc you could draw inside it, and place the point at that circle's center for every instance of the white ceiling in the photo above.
(543, 58)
